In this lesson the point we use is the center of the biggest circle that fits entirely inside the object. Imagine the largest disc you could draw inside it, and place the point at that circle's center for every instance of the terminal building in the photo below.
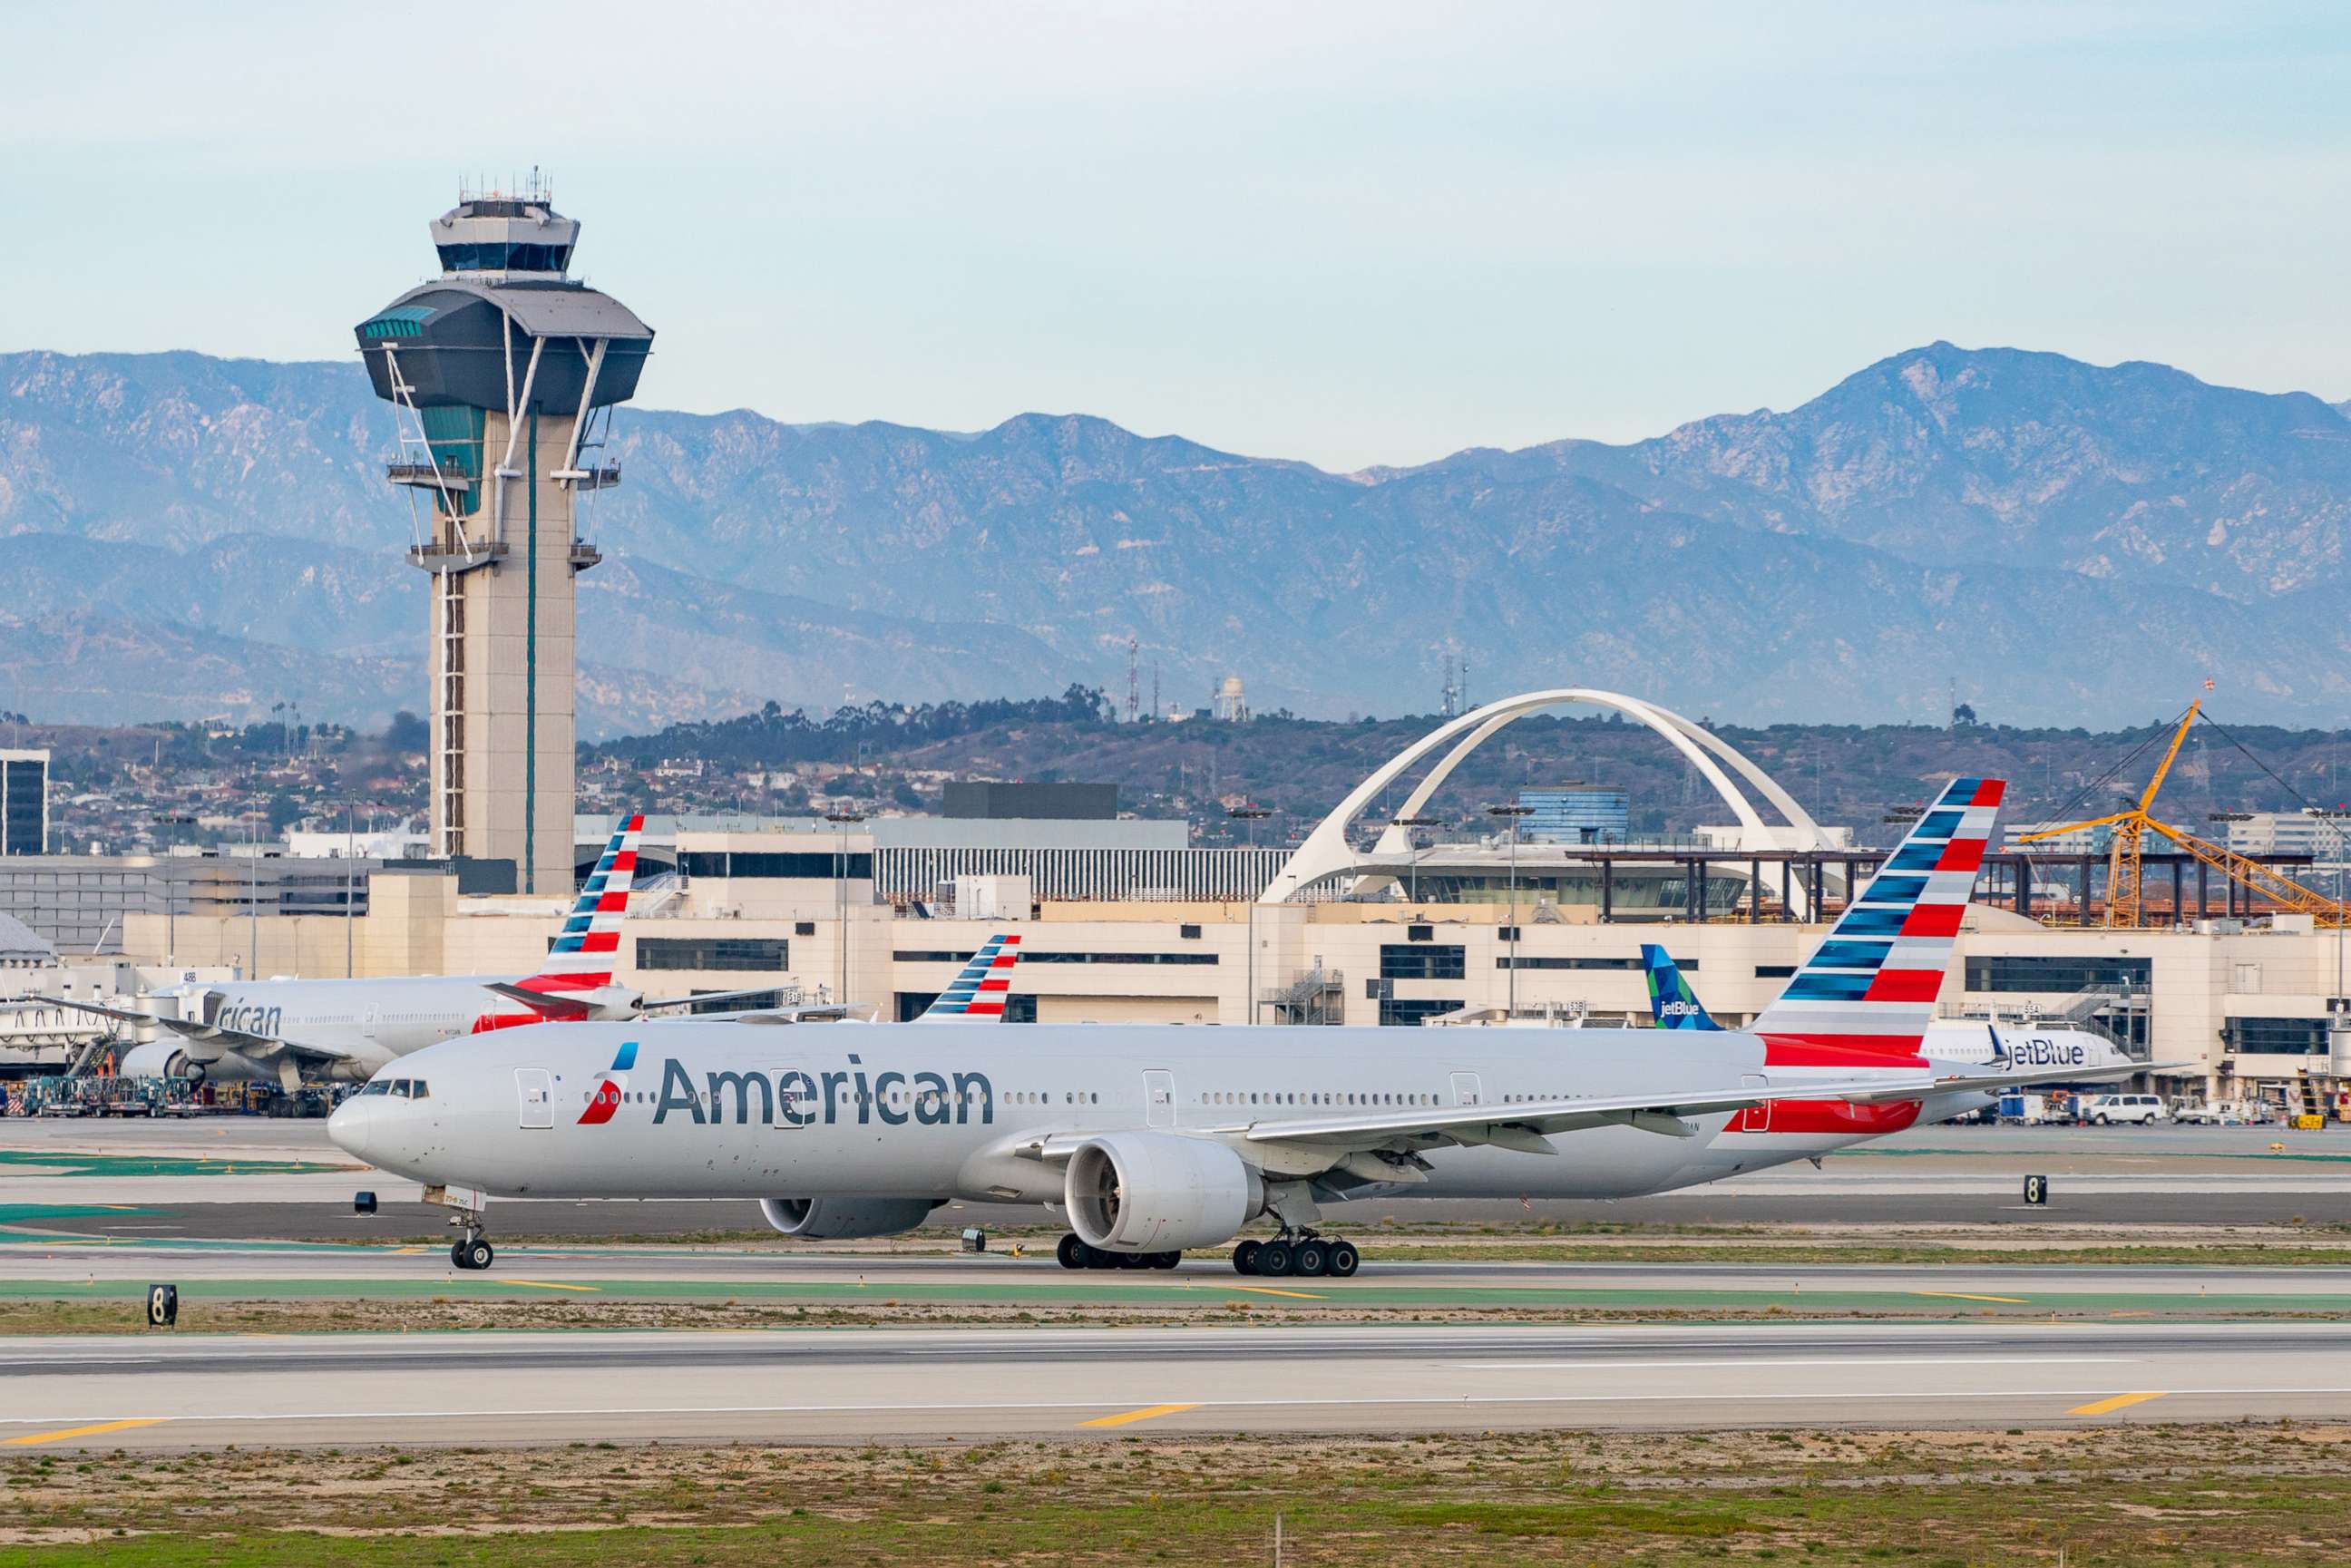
(1127, 921)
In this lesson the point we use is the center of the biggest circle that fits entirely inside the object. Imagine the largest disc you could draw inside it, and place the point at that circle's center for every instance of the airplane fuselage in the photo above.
(723, 1110)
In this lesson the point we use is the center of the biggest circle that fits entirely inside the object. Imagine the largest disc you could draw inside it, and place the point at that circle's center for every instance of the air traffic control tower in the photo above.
(502, 374)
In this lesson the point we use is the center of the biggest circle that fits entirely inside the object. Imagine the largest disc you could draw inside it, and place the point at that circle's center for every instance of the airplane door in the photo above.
(1755, 1118)
(537, 1094)
(369, 1020)
(1158, 1097)
(1466, 1091)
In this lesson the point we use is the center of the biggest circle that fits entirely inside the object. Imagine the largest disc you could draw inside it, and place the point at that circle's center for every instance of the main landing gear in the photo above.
(472, 1250)
(1299, 1253)
(1075, 1254)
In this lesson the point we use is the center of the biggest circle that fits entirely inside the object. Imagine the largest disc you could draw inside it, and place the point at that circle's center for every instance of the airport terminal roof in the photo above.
(21, 945)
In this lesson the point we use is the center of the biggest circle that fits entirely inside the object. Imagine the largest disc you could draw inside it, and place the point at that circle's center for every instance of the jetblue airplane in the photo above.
(287, 1031)
(1972, 1052)
(1974, 1041)
(1154, 1139)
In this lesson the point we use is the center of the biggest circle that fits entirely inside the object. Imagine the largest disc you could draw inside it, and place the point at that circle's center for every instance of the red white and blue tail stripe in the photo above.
(583, 955)
(978, 992)
(1868, 991)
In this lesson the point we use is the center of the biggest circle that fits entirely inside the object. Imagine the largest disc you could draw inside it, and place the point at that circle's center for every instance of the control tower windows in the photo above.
(502, 258)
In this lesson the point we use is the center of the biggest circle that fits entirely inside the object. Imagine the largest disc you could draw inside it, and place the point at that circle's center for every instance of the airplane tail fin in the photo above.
(583, 955)
(978, 992)
(1868, 990)
(1672, 1003)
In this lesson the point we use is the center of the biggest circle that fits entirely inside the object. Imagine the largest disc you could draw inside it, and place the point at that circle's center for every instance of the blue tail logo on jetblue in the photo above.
(1672, 1003)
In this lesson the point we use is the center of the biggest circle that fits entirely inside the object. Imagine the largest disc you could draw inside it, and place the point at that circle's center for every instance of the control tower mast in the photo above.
(502, 374)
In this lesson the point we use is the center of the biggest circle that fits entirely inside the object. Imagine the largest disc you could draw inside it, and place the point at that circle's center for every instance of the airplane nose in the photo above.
(348, 1128)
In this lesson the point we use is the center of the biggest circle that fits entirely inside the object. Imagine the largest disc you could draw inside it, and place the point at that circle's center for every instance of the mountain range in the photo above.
(2059, 542)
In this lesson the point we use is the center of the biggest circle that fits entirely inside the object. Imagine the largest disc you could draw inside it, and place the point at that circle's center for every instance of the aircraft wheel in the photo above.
(1274, 1259)
(1244, 1257)
(457, 1255)
(1072, 1252)
(1166, 1259)
(1134, 1260)
(1343, 1260)
(477, 1253)
(1309, 1257)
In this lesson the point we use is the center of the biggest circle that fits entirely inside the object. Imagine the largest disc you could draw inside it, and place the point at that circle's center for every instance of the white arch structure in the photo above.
(1326, 852)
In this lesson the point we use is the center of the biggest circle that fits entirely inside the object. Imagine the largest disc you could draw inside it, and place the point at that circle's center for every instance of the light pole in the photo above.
(171, 904)
(841, 820)
(350, 851)
(1252, 815)
(1512, 813)
(1408, 824)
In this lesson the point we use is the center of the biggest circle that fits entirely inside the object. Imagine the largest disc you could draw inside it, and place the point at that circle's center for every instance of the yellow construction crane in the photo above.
(2131, 830)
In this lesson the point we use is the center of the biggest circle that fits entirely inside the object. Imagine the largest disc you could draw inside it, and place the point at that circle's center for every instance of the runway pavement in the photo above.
(853, 1385)
(35, 1268)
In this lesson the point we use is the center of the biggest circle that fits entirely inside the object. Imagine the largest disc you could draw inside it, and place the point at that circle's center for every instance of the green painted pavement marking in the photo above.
(73, 1163)
(23, 1213)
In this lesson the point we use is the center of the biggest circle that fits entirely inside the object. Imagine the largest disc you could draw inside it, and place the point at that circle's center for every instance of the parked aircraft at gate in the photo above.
(1156, 1138)
(288, 1031)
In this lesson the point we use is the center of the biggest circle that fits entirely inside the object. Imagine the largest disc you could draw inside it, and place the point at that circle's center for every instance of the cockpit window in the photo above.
(378, 1086)
(416, 1090)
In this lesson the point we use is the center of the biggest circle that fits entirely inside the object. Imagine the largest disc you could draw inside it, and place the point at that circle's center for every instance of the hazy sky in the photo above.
(1352, 233)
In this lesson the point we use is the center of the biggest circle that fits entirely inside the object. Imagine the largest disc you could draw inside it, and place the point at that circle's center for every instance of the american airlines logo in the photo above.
(250, 1018)
(793, 1098)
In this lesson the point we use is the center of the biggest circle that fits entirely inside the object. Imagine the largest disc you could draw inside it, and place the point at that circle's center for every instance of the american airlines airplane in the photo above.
(1154, 1139)
(289, 1030)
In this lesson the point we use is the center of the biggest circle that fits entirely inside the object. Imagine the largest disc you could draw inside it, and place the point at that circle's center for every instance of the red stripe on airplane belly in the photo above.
(1840, 1117)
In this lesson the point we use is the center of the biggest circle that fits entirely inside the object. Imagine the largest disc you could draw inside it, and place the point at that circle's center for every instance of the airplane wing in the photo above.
(1524, 1126)
(546, 1004)
(1997, 1081)
(260, 1047)
(118, 1014)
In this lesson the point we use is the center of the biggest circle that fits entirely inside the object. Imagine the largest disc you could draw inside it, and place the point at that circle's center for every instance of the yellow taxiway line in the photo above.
(1148, 1413)
(31, 1437)
(1269, 1290)
(553, 1285)
(2108, 1407)
(1964, 1296)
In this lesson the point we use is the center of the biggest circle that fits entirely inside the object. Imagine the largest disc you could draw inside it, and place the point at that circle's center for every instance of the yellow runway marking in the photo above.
(1148, 1413)
(2108, 1407)
(1269, 1290)
(552, 1285)
(1964, 1296)
(31, 1437)
(407, 1251)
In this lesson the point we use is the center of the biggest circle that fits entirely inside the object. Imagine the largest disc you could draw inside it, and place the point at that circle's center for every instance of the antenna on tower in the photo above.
(1134, 684)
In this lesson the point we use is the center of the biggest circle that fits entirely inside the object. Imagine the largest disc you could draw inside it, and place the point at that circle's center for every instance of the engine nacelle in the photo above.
(1158, 1192)
(160, 1059)
(846, 1218)
(167, 1058)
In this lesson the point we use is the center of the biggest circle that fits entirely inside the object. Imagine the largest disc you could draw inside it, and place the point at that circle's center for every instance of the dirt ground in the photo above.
(2136, 1495)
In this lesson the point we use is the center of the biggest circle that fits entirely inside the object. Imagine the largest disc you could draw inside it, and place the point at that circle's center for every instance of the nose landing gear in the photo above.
(468, 1210)
(1297, 1253)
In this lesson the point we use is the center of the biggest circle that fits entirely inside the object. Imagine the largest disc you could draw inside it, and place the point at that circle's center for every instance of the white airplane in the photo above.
(290, 1030)
(1153, 1139)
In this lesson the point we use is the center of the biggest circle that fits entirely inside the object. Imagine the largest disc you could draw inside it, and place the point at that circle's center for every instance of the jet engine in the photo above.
(1159, 1192)
(845, 1218)
(160, 1059)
